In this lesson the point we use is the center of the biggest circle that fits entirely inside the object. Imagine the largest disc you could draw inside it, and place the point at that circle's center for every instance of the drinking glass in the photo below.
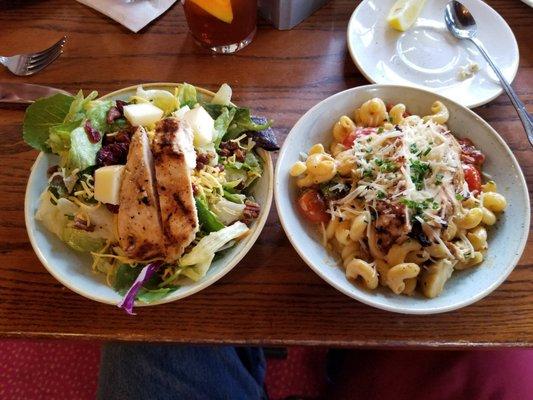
(223, 26)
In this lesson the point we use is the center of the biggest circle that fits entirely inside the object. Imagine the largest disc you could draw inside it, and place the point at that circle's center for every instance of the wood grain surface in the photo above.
(271, 297)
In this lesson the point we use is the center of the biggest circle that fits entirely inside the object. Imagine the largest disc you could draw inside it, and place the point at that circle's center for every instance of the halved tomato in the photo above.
(472, 177)
(313, 206)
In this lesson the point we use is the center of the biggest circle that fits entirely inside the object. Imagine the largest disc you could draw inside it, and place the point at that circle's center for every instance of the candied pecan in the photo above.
(251, 211)
(239, 155)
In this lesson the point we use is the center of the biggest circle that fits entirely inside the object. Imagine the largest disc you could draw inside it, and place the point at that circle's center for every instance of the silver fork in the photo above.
(29, 64)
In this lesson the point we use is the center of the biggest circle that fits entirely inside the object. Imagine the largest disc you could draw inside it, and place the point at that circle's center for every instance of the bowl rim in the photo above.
(251, 238)
(393, 308)
(365, 73)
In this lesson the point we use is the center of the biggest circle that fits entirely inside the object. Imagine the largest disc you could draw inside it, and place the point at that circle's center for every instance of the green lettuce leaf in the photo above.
(222, 123)
(42, 115)
(82, 153)
(82, 240)
(59, 138)
(77, 109)
(151, 295)
(187, 95)
(209, 221)
(241, 122)
(97, 113)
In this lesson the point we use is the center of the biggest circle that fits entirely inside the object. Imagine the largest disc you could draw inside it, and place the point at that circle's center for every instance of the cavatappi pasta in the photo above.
(399, 198)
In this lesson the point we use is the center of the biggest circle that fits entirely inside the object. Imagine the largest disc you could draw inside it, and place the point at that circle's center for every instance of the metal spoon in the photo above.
(462, 25)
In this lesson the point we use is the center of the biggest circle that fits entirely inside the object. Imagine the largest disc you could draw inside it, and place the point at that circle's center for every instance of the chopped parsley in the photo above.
(368, 173)
(381, 129)
(419, 171)
(426, 152)
(413, 148)
(381, 195)
(459, 197)
(385, 165)
(438, 179)
(417, 207)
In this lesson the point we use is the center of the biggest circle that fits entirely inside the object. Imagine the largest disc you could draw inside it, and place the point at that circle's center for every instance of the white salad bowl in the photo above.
(73, 269)
(507, 238)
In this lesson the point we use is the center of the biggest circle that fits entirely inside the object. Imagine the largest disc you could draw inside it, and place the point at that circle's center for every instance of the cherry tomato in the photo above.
(313, 206)
(472, 177)
(359, 132)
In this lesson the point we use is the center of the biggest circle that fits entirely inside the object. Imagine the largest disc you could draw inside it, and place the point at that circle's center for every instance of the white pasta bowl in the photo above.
(507, 238)
(73, 269)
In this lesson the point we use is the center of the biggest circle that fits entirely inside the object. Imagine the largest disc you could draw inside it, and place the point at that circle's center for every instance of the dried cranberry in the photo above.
(112, 207)
(93, 135)
(120, 106)
(112, 154)
(113, 114)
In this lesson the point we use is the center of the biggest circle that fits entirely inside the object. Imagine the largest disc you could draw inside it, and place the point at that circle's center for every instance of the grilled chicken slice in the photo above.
(139, 221)
(178, 209)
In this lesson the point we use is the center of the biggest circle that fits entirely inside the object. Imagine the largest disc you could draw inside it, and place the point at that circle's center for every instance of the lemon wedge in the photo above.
(404, 13)
(220, 9)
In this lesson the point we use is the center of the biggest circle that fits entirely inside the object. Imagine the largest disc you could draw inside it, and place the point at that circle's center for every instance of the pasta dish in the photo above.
(398, 198)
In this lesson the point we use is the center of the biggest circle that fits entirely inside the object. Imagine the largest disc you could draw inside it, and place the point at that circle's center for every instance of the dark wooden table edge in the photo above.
(372, 344)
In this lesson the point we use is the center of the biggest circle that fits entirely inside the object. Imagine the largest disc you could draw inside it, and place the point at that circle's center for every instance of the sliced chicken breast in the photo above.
(178, 209)
(139, 220)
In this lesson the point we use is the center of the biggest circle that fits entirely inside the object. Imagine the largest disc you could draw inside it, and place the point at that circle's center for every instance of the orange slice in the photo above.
(220, 9)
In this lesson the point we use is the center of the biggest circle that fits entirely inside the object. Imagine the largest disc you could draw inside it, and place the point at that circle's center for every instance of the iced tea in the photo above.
(224, 26)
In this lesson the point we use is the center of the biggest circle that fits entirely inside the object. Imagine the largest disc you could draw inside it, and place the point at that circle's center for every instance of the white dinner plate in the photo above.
(73, 269)
(507, 238)
(427, 55)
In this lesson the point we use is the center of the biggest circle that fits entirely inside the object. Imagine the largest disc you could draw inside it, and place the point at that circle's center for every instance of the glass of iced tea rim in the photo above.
(224, 26)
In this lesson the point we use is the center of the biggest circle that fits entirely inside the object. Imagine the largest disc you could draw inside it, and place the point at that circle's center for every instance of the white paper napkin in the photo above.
(135, 14)
(528, 2)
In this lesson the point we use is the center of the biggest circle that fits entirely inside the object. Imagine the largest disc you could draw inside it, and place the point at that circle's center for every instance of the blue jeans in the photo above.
(150, 371)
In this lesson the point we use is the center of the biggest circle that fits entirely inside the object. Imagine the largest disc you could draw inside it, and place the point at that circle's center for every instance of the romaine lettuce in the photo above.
(42, 115)
(187, 95)
(82, 153)
(78, 106)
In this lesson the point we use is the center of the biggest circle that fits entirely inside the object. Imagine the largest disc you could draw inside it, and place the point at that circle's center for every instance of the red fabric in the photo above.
(38, 369)
(301, 374)
(435, 375)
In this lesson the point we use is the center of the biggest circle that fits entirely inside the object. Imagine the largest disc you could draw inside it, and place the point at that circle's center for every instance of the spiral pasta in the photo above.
(400, 205)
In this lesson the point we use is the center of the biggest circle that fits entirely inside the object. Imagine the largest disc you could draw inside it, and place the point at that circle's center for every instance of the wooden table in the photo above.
(271, 297)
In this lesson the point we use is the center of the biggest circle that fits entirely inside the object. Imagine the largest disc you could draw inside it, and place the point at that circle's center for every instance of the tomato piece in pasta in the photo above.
(359, 132)
(313, 206)
(472, 177)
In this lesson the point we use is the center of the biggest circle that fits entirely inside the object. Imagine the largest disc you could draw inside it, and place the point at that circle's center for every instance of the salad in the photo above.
(154, 187)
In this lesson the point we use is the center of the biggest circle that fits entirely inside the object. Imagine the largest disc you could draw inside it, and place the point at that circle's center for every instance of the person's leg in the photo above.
(149, 371)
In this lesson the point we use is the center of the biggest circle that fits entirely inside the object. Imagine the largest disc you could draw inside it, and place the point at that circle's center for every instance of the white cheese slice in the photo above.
(107, 182)
(142, 114)
(202, 125)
